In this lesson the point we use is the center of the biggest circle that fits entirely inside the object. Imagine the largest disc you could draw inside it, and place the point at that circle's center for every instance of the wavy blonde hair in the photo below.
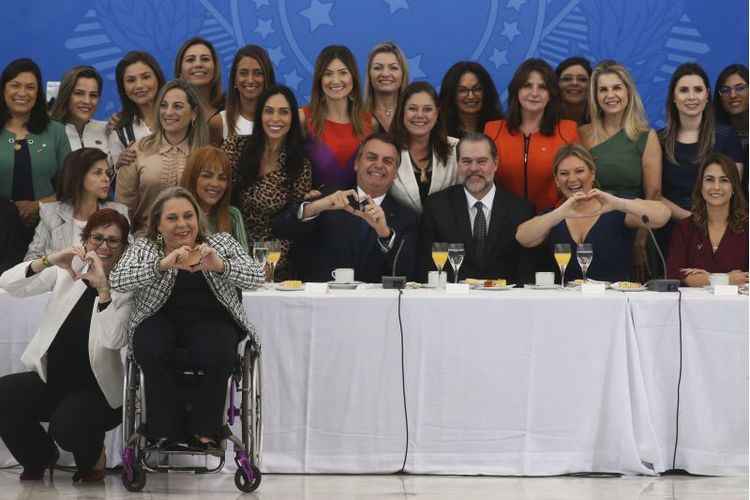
(634, 120)
(384, 48)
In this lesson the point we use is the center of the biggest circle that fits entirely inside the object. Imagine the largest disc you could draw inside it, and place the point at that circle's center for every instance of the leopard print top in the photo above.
(263, 200)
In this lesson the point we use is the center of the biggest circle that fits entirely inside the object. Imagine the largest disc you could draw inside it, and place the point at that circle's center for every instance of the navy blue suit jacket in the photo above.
(338, 239)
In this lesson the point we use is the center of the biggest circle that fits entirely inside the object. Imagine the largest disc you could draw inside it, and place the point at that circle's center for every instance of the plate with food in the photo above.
(488, 284)
(290, 286)
(532, 286)
(579, 282)
(628, 286)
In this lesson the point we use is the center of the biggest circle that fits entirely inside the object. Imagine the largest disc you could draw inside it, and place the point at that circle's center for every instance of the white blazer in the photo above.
(405, 187)
(107, 334)
(94, 135)
(56, 229)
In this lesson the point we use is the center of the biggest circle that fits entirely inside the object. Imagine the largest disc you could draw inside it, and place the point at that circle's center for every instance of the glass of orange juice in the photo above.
(274, 254)
(562, 257)
(440, 257)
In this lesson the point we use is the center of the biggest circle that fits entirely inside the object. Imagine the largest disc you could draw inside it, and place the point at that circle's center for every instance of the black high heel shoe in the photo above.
(37, 474)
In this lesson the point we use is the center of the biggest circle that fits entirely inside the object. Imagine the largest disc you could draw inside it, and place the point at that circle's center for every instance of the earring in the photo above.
(160, 241)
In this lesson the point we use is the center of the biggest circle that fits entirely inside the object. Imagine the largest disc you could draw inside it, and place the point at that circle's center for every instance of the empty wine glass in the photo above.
(584, 255)
(562, 257)
(456, 258)
(260, 253)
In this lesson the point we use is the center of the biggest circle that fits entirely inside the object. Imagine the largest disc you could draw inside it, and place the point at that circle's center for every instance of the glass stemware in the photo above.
(260, 253)
(584, 255)
(274, 254)
(439, 257)
(456, 258)
(562, 257)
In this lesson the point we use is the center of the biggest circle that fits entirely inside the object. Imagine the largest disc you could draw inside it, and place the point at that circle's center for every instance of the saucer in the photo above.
(343, 285)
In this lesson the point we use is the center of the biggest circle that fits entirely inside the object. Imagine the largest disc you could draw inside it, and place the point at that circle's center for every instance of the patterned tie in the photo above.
(480, 231)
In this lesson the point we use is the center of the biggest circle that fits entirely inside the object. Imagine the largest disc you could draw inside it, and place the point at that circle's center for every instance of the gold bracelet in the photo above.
(46, 262)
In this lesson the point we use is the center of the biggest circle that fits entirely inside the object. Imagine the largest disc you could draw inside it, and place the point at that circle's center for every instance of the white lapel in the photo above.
(407, 181)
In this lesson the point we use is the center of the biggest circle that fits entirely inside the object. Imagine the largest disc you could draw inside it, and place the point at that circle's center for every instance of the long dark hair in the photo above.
(491, 108)
(233, 95)
(733, 69)
(60, 111)
(215, 94)
(317, 96)
(38, 118)
(737, 220)
(438, 138)
(293, 147)
(706, 134)
(129, 110)
(551, 116)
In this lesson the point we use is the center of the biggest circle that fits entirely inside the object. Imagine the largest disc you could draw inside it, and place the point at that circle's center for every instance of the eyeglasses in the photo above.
(740, 88)
(112, 243)
(464, 92)
(571, 79)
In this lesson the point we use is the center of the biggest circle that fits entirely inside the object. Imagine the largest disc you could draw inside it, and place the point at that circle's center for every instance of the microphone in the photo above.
(395, 282)
(659, 285)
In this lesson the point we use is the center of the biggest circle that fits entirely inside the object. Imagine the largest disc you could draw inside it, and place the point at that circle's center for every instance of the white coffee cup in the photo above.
(545, 279)
(718, 279)
(343, 275)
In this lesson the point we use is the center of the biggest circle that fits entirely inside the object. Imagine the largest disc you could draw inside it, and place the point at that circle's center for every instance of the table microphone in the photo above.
(660, 285)
(395, 282)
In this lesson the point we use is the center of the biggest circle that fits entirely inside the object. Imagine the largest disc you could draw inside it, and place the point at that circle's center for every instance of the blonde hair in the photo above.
(198, 130)
(384, 48)
(634, 120)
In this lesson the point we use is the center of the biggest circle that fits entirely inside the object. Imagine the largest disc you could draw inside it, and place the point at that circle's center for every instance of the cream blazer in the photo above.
(107, 333)
(405, 188)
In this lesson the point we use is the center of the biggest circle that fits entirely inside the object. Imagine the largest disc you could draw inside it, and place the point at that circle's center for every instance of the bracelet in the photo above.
(104, 289)
(46, 262)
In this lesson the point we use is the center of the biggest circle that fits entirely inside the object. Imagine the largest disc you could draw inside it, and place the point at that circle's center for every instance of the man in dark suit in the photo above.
(361, 228)
(480, 215)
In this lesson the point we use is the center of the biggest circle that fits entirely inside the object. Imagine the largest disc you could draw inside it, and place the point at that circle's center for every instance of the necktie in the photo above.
(480, 231)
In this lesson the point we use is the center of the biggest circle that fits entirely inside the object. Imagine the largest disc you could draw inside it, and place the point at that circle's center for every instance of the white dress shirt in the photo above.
(487, 201)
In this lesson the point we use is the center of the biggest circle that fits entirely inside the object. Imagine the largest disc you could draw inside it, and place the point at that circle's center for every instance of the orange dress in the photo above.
(525, 163)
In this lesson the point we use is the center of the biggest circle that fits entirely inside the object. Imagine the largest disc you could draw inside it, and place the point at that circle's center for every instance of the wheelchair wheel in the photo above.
(131, 411)
(134, 481)
(252, 423)
(246, 484)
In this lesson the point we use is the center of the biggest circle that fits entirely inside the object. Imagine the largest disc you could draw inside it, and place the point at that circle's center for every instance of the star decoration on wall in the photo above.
(515, 4)
(292, 80)
(264, 27)
(395, 5)
(276, 55)
(318, 13)
(510, 31)
(414, 70)
(499, 58)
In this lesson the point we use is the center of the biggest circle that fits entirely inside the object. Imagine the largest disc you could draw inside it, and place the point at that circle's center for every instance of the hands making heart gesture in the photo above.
(199, 258)
(578, 206)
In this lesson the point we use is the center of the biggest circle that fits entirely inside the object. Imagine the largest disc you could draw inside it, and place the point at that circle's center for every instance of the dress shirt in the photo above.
(487, 202)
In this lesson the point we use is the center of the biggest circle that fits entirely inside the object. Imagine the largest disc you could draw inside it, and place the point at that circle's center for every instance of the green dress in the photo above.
(619, 165)
(238, 227)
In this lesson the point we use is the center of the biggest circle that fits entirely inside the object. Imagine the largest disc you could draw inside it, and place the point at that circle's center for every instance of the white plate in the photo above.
(542, 287)
(577, 283)
(341, 285)
(283, 288)
(492, 288)
(616, 286)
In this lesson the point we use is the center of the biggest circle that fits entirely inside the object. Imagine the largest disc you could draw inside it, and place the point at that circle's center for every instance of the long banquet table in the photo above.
(520, 382)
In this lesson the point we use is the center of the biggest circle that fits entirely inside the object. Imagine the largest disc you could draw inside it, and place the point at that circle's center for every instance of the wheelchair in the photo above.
(139, 456)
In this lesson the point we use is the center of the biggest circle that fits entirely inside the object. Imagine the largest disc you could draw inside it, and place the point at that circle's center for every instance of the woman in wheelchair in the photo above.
(76, 378)
(186, 297)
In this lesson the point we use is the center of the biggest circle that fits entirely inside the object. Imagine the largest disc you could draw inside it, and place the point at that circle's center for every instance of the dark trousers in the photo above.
(77, 420)
(211, 346)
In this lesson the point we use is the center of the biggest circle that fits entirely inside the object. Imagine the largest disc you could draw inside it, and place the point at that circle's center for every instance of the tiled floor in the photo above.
(321, 487)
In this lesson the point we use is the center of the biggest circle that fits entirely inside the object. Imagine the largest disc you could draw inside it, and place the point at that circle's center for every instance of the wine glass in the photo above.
(456, 257)
(584, 255)
(274, 254)
(562, 257)
(439, 256)
(260, 253)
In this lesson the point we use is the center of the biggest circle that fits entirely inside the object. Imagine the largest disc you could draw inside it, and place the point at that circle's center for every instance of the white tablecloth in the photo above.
(517, 382)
